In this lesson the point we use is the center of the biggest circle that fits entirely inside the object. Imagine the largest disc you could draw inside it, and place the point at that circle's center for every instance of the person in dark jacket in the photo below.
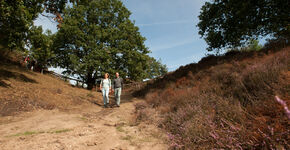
(117, 86)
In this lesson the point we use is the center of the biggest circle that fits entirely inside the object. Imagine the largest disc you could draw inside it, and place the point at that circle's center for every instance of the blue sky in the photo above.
(169, 27)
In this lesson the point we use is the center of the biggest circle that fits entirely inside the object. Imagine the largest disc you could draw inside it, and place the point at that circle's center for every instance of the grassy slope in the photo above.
(23, 90)
(224, 102)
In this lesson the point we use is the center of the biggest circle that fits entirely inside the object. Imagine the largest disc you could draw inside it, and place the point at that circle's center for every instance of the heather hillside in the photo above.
(223, 101)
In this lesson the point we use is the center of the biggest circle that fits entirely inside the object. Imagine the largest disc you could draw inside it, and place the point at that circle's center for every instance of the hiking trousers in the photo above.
(118, 95)
(105, 92)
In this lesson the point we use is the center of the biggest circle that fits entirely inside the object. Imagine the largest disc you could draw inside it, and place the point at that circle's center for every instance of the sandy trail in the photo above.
(83, 127)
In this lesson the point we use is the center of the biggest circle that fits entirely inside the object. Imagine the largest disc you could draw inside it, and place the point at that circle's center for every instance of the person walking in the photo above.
(32, 66)
(26, 61)
(117, 87)
(105, 87)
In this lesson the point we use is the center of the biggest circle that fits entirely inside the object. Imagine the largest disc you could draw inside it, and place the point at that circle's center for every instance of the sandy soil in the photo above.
(87, 126)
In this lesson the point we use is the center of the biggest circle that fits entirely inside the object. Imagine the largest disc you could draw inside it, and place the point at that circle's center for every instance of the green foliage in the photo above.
(55, 6)
(231, 23)
(251, 45)
(16, 17)
(254, 45)
(97, 37)
(156, 68)
(40, 46)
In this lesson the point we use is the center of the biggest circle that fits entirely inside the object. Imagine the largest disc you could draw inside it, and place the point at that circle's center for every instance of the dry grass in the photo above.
(23, 90)
(223, 102)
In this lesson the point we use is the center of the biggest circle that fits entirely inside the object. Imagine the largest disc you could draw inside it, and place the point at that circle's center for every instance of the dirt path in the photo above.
(82, 127)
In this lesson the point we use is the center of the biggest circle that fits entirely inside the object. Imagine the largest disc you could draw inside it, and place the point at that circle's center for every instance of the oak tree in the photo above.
(97, 37)
(231, 23)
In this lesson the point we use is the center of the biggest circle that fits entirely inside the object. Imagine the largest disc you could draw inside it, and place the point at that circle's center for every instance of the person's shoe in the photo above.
(118, 105)
(105, 106)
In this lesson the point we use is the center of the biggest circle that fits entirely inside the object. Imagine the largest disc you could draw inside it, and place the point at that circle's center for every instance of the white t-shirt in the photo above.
(106, 83)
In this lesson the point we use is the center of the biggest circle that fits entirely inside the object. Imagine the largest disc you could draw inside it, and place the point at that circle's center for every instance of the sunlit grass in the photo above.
(27, 133)
(61, 131)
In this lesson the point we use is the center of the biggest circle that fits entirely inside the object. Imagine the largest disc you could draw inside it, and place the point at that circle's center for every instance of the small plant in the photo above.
(61, 131)
(120, 129)
(127, 138)
(90, 95)
(84, 118)
(26, 133)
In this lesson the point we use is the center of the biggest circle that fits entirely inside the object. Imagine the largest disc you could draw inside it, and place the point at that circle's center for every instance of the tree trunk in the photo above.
(90, 81)
(90, 84)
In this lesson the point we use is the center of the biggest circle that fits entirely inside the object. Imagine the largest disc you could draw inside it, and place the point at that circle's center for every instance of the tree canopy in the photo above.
(97, 37)
(231, 23)
(93, 37)
(17, 16)
(40, 45)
